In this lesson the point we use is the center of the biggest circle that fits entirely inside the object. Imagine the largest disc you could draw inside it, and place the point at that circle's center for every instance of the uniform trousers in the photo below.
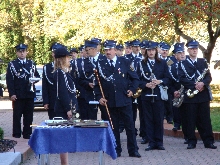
(83, 108)
(104, 113)
(134, 110)
(198, 115)
(183, 115)
(93, 110)
(62, 114)
(141, 118)
(127, 118)
(153, 113)
(51, 113)
(23, 107)
(168, 109)
(176, 117)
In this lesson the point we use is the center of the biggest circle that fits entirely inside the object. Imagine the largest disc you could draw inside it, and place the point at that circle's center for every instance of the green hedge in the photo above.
(1, 133)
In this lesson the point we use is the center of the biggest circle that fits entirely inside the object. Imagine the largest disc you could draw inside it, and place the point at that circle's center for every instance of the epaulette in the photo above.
(170, 62)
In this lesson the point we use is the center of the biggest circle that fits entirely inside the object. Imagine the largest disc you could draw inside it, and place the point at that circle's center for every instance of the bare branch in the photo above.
(186, 37)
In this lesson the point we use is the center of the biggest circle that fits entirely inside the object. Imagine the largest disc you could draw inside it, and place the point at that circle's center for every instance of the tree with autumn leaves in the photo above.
(39, 23)
(168, 19)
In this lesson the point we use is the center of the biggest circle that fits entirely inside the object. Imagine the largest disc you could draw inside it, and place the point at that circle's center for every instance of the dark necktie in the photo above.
(23, 64)
(195, 63)
(112, 66)
(152, 63)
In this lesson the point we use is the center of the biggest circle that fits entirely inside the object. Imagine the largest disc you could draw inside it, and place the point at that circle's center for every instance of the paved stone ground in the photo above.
(175, 153)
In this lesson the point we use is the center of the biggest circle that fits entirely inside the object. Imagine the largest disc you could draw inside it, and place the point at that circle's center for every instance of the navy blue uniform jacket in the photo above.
(160, 71)
(48, 87)
(65, 88)
(75, 73)
(115, 90)
(188, 83)
(17, 79)
(84, 79)
(174, 78)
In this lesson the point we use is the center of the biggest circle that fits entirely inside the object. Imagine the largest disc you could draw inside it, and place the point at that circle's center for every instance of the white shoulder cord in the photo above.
(184, 70)
(101, 73)
(57, 84)
(142, 71)
(15, 72)
(169, 68)
(46, 75)
(77, 70)
(67, 84)
(85, 73)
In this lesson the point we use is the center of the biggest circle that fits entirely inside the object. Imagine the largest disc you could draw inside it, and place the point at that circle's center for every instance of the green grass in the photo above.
(215, 117)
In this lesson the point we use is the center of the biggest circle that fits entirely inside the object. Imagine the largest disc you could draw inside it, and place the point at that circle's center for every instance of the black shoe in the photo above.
(118, 154)
(175, 129)
(16, 136)
(191, 146)
(141, 134)
(150, 148)
(170, 122)
(136, 154)
(160, 148)
(211, 146)
(186, 141)
(121, 130)
(26, 137)
(144, 141)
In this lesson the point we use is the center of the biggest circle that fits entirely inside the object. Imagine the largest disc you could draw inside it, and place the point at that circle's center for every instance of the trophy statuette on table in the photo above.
(75, 115)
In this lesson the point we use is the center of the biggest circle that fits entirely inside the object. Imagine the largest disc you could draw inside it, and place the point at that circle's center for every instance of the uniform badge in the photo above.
(146, 73)
(20, 70)
(123, 75)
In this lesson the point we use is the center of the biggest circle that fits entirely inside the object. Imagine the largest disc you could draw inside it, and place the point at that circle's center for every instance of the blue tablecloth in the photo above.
(73, 139)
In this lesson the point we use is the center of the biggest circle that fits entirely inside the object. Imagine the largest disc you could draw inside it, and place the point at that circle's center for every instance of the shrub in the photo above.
(1, 133)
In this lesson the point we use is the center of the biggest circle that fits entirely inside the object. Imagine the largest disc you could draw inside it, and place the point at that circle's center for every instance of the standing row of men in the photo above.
(119, 78)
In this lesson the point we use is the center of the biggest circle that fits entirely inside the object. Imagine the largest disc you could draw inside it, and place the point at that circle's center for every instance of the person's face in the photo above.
(53, 54)
(164, 53)
(99, 48)
(135, 49)
(143, 50)
(68, 59)
(91, 52)
(110, 53)
(119, 52)
(192, 52)
(151, 53)
(21, 54)
(84, 54)
(128, 50)
(74, 55)
(180, 56)
(159, 50)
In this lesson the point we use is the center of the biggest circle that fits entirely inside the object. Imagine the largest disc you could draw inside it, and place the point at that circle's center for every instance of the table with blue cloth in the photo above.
(54, 140)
